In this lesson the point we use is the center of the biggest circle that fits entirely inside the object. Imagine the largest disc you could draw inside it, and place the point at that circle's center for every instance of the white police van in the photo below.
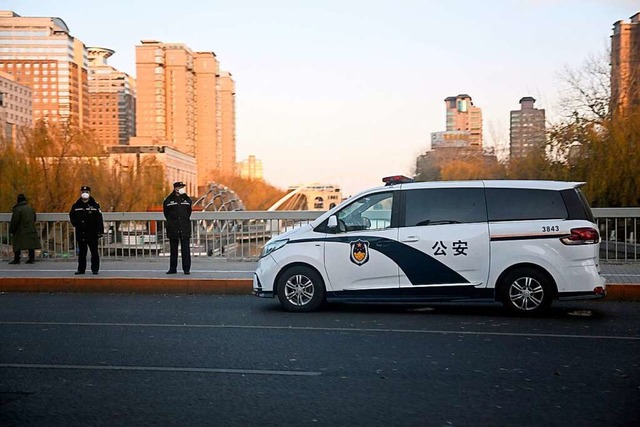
(522, 243)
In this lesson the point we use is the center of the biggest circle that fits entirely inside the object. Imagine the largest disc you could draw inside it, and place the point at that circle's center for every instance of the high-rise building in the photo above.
(250, 169)
(462, 115)
(526, 129)
(15, 107)
(208, 120)
(112, 96)
(40, 52)
(183, 101)
(227, 94)
(625, 64)
(166, 99)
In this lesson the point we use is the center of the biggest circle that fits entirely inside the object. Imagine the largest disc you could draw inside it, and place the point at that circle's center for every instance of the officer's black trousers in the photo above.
(185, 252)
(91, 244)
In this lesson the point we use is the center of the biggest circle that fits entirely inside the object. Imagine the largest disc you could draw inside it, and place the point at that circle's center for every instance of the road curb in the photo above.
(126, 285)
(623, 292)
(89, 284)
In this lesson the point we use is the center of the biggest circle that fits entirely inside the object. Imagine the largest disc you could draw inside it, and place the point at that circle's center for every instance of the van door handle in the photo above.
(410, 239)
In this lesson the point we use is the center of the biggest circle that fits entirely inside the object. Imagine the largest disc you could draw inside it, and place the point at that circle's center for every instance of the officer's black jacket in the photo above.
(177, 211)
(87, 219)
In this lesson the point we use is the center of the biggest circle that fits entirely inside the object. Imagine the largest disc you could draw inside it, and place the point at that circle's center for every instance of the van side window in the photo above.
(444, 206)
(371, 212)
(517, 204)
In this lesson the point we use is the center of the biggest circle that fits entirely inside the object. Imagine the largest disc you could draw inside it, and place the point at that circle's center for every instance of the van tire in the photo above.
(300, 289)
(526, 291)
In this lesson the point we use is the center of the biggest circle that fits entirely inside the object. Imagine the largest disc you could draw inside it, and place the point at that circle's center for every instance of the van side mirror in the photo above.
(332, 224)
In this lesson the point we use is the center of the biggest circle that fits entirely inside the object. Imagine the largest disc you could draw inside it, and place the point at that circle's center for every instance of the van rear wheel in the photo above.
(300, 289)
(526, 291)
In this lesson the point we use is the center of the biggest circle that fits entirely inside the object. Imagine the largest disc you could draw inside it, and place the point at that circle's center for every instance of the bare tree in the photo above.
(586, 90)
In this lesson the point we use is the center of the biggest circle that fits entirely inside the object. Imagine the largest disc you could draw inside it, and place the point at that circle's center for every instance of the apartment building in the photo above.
(227, 95)
(112, 96)
(184, 100)
(15, 107)
(251, 168)
(527, 129)
(41, 53)
(462, 115)
(625, 64)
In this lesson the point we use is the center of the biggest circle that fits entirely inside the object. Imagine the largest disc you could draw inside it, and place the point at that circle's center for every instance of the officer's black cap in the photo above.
(85, 188)
(179, 184)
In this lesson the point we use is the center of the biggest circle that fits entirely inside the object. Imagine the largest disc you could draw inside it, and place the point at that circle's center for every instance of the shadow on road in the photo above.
(574, 310)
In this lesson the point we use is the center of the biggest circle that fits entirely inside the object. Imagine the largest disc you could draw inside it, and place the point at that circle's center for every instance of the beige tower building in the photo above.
(227, 150)
(112, 96)
(41, 53)
(183, 101)
(625, 64)
(527, 129)
(250, 169)
(462, 115)
(208, 116)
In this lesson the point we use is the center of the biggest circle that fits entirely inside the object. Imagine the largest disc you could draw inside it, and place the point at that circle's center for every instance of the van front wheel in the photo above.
(300, 289)
(526, 291)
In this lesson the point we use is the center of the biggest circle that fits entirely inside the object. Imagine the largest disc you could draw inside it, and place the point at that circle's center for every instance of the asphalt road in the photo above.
(123, 360)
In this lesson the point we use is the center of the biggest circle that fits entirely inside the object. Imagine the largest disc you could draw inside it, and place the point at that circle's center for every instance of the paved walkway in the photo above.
(208, 275)
(201, 268)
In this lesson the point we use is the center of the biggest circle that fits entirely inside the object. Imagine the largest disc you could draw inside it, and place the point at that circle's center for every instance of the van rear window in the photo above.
(516, 204)
(578, 205)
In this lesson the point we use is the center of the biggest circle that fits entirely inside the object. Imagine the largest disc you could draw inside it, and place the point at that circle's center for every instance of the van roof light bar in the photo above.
(397, 179)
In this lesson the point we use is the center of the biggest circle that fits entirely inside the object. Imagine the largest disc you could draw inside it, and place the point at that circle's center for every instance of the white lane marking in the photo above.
(325, 329)
(161, 369)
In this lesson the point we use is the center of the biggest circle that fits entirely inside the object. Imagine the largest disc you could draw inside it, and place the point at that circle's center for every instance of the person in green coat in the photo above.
(22, 229)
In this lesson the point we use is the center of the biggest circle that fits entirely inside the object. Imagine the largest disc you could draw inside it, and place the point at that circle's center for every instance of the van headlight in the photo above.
(273, 246)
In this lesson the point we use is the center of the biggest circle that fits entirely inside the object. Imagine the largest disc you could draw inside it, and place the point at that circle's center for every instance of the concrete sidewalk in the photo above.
(208, 275)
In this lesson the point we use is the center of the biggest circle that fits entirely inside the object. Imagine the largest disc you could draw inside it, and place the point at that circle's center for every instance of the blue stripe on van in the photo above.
(419, 267)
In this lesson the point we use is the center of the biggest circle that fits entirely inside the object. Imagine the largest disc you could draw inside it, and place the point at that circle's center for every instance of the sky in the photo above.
(345, 92)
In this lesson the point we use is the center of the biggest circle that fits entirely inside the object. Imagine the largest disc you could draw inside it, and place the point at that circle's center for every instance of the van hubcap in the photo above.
(526, 293)
(298, 290)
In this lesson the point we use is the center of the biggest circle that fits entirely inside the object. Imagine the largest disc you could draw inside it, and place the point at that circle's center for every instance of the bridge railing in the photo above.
(236, 235)
(618, 233)
(241, 235)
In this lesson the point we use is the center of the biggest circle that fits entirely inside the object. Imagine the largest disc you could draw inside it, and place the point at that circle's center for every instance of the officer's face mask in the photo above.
(85, 196)
(181, 190)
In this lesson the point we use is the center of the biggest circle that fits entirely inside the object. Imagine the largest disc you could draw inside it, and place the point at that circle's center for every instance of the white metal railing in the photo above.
(233, 235)
(241, 234)
(618, 233)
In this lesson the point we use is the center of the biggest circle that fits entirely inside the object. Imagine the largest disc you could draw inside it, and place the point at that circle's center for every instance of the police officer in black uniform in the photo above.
(177, 211)
(86, 217)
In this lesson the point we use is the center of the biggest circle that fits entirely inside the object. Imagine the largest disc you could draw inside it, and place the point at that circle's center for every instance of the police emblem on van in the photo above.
(359, 252)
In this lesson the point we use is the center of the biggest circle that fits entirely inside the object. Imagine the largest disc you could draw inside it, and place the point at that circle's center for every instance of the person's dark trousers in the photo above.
(31, 260)
(92, 245)
(185, 252)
